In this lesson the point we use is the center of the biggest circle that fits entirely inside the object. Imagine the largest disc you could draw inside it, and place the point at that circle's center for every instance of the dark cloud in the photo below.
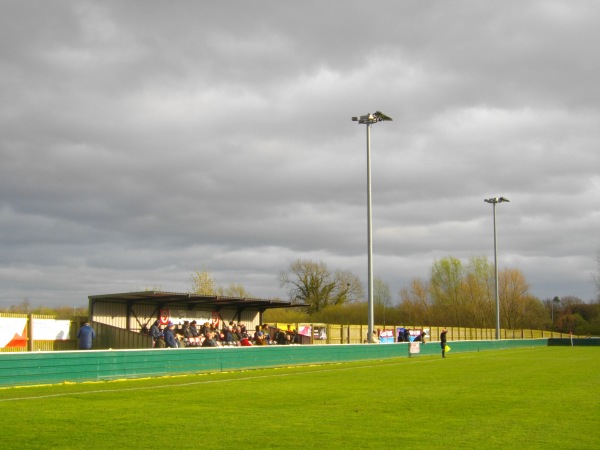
(144, 140)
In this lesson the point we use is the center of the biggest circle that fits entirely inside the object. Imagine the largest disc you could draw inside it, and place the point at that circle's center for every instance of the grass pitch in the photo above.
(537, 398)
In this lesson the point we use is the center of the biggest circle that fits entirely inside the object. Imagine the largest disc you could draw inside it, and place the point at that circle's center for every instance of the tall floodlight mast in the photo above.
(368, 120)
(495, 201)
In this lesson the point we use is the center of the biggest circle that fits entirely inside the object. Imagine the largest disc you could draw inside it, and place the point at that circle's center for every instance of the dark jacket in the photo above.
(208, 342)
(170, 340)
(86, 335)
(281, 338)
(401, 335)
(155, 332)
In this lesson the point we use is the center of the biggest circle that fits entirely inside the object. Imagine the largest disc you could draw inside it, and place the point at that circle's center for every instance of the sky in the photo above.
(141, 141)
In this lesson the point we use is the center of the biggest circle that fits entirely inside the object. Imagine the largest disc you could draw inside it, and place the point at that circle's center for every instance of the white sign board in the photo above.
(51, 330)
(415, 347)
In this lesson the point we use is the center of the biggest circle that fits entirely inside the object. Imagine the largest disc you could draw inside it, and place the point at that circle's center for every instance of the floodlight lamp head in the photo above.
(378, 116)
(495, 200)
(381, 116)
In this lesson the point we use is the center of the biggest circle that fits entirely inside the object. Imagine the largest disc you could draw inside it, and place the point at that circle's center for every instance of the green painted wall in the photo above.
(55, 367)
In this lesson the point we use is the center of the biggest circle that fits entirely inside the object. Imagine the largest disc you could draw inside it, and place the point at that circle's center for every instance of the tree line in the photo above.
(455, 294)
(25, 307)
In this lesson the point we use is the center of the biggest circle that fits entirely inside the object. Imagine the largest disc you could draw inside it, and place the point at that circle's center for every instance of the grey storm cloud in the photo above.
(143, 140)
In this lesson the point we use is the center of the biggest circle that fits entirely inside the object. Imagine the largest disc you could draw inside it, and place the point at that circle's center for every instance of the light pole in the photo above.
(368, 120)
(494, 201)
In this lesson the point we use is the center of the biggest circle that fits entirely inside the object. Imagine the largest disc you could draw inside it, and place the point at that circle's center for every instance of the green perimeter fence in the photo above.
(109, 337)
(34, 368)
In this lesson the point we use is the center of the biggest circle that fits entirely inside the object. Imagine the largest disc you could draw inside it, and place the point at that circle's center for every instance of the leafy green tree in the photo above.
(458, 295)
(594, 319)
(203, 283)
(25, 307)
(535, 314)
(578, 316)
(572, 323)
(346, 314)
(286, 315)
(478, 288)
(446, 287)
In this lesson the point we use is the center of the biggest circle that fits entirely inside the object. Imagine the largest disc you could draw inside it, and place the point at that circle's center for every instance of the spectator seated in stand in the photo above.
(193, 329)
(241, 335)
(178, 332)
(192, 336)
(267, 333)
(185, 329)
(237, 333)
(289, 331)
(228, 336)
(209, 340)
(281, 337)
(292, 335)
(204, 329)
(187, 336)
(217, 334)
(259, 337)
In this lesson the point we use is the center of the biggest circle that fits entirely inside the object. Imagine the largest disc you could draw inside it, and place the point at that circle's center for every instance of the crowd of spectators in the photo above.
(190, 334)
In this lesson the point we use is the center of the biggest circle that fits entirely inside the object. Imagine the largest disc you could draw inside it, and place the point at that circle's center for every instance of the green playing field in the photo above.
(543, 397)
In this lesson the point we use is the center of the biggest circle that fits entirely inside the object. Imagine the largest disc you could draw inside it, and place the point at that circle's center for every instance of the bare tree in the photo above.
(514, 294)
(597, 276)
(382, 297)
(312, 283)
(479, 292)
(415, 303)
(349, 288)
(234, 290)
